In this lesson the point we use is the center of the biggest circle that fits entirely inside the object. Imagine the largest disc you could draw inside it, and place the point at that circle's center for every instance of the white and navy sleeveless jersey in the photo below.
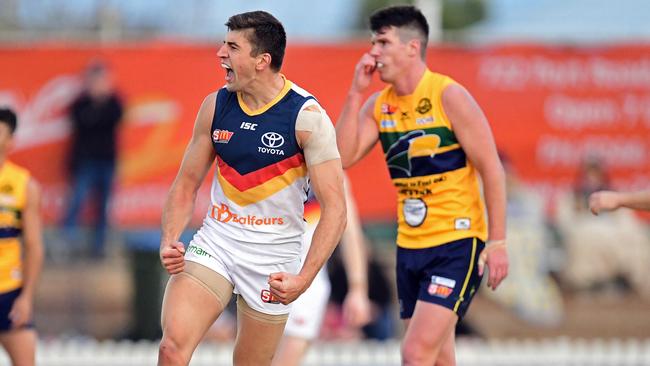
(261, 180)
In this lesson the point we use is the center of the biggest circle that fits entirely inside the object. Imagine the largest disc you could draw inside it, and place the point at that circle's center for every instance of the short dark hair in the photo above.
(268, 34)
(402, 16)
(8, 117)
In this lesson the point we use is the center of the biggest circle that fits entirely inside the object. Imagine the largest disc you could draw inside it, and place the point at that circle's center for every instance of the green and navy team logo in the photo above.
(415, 153)
(413, 144)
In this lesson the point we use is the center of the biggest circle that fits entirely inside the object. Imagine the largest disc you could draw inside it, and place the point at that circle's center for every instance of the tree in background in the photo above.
(456, 14)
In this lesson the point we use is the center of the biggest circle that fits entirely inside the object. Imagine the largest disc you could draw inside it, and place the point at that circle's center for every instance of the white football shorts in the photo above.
(250, 280)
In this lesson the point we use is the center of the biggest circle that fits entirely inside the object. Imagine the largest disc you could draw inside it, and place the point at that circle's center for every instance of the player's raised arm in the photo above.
(356, 130)
(179, 205)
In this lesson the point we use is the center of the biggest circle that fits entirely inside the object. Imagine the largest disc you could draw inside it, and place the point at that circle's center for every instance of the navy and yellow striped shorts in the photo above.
(446, 275)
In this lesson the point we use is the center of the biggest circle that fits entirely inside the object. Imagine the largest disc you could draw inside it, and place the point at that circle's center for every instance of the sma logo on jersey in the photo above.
(221, 136)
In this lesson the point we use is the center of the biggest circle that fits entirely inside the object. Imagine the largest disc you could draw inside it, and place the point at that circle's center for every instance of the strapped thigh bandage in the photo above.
(211, 280)
(243, 308)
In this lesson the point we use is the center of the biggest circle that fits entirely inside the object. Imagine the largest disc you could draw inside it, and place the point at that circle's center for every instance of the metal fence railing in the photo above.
(470, 352)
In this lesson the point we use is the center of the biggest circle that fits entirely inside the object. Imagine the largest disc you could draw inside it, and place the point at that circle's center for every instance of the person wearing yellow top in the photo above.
(436, 142)
(20, 228)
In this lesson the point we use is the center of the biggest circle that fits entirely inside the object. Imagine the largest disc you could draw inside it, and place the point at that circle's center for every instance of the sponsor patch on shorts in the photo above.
(268, 297)
(198, 251)
(441, 286)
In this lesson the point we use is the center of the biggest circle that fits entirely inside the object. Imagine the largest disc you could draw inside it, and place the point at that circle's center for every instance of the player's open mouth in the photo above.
(230, 75)
(379, 65)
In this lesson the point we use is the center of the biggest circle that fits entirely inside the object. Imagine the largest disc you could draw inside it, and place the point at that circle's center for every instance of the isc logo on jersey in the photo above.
(248, 126)
(272, 142)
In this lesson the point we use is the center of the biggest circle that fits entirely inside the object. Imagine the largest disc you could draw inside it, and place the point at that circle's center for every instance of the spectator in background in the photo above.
(21, 253)
(95, 116)
(592, 177)
(605, 248)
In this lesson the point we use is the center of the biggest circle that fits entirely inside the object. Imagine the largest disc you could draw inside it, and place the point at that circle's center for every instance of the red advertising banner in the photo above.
(549, 108)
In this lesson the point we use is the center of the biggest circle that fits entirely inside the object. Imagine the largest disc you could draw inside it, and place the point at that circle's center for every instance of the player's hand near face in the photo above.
(363, 73)
(286, 287)
(172, 257)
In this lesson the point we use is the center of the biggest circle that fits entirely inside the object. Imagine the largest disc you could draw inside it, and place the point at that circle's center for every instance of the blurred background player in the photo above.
(594, 259)
(602, 201)
(436, 142)
(95, 116)
(21, 250)
(307, 312)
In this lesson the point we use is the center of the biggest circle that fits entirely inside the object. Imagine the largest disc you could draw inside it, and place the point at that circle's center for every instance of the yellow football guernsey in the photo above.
(13, 189)
(438, 190)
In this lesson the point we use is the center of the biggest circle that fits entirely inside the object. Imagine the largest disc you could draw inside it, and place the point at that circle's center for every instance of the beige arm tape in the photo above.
(321, 144)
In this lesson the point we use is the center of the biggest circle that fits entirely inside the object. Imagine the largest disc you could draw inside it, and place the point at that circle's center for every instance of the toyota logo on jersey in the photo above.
(272, 140)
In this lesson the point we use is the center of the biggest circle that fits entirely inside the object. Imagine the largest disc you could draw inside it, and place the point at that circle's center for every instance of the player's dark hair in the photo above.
(268, 35)
(8, 117)
(404, 17)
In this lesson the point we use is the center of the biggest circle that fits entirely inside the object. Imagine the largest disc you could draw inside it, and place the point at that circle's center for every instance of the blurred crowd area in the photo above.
(572, 273)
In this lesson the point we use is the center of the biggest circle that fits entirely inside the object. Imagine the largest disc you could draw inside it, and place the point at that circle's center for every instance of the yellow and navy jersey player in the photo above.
(21, 250)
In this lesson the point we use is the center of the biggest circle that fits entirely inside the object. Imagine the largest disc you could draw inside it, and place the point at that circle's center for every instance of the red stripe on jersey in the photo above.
(260, 176)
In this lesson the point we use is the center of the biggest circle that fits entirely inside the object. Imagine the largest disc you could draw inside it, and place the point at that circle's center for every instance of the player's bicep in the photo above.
(470, 126)
(199, 153)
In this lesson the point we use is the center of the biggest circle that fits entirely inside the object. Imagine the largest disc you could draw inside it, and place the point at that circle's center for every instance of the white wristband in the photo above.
(496, 242)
